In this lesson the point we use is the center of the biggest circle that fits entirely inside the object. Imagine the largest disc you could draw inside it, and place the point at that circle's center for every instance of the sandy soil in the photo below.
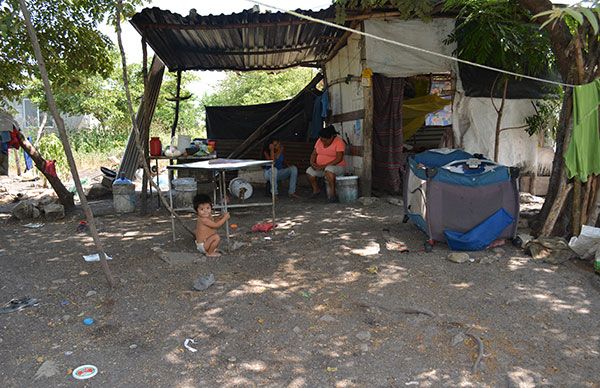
(320, 303)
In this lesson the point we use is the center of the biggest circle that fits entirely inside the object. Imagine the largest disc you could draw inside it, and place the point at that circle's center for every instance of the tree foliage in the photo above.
(71, 43)
(498, 33)
(258, 87)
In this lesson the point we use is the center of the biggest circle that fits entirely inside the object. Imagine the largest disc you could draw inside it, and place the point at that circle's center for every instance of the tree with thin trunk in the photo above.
(65, 141)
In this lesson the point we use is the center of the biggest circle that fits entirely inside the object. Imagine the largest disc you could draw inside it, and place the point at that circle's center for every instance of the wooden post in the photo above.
(577, 205)
(145, 177)
(366, 179)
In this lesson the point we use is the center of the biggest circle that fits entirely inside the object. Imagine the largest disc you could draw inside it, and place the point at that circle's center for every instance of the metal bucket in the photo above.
(123, 195)
(185, 190)
(347, 188)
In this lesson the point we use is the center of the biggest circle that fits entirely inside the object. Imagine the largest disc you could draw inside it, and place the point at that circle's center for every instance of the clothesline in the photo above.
(404, 45)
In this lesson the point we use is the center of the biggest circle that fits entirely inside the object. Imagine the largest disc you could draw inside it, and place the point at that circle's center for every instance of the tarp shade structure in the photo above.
(239, 122)
(248, 40)
(394, 61)
(478, 82)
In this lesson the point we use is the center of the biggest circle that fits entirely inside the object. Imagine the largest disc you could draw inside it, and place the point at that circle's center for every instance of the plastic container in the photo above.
(185, 190)
(183, 142)
(123, 195)
(240, 188)
(347, 188)
(155, 147)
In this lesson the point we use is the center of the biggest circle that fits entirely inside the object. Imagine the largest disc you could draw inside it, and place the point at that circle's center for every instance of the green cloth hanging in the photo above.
(583, 155)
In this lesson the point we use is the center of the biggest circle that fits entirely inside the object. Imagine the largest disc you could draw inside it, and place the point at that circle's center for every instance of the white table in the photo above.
(219, 167)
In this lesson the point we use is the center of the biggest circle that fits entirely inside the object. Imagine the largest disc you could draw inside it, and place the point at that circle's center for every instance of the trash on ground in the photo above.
(188, 347)
(237, 245)
(306, 294)
(263, 227)
(552, 250)
(458, 257)
(47, 369)
(95, 257)
(88, 321)
(34, 225)
(82, 227)
(373, 270)
(233, 226)
(331, 369)
(203, 282)
(268, 238)
(18, 304)
(587, 244)
(64, 302)
(85, 372)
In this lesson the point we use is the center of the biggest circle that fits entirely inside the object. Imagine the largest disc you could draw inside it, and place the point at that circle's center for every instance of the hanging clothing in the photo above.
(316, 122)
(28, 160)
(583, 155)
(387, 132)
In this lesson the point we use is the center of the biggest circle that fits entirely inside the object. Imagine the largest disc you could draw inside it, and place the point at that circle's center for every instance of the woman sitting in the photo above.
(273, 150)
(327, 159)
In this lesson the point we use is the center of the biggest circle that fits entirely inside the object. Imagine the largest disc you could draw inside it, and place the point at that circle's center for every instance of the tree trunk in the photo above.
(41, 129)
(499, 122)
(64, 196)
(65, 142)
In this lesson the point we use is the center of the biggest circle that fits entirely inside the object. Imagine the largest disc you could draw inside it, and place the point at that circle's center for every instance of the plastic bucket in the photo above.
(185, 190)
(347, 188)
(240, 188)
(123, 195)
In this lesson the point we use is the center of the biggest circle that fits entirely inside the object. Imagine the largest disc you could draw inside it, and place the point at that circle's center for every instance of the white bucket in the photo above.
(185, 190)
(240, 188)
(346, 188)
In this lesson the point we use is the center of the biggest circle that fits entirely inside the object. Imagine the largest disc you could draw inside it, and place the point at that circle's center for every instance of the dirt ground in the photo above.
(321, 302)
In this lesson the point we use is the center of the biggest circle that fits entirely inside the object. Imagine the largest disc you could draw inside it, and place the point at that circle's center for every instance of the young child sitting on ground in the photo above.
(207, 239)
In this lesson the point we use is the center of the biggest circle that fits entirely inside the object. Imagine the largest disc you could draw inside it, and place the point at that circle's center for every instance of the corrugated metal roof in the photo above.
(247, 40)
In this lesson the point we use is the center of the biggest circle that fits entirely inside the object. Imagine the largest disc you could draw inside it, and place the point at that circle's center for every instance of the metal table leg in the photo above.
(224, 202)
(273, 189)
(172, 209)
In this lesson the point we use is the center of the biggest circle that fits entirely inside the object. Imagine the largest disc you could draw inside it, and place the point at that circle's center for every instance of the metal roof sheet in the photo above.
(248, 40)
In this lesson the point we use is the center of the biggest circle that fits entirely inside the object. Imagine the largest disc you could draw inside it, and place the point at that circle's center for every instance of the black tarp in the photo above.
(239, 122)
(478, 82)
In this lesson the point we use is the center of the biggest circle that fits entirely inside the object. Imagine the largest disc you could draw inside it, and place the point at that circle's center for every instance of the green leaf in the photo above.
(591, 18)
(545, 13)
(574, 14)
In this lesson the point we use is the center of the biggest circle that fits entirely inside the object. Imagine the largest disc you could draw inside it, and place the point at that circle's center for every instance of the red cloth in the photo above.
(264, 227)
(50, 168)
(14, 139)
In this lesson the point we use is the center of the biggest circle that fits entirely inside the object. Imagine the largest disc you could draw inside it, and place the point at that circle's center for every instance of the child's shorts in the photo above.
(200, 247)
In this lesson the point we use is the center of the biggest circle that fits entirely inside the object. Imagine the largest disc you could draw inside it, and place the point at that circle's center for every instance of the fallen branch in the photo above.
(475, 366)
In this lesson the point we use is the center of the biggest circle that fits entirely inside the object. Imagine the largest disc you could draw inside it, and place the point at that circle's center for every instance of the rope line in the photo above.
(404, 45)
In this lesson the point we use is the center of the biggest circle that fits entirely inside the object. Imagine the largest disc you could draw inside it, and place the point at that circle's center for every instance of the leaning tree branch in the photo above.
(65, 141)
